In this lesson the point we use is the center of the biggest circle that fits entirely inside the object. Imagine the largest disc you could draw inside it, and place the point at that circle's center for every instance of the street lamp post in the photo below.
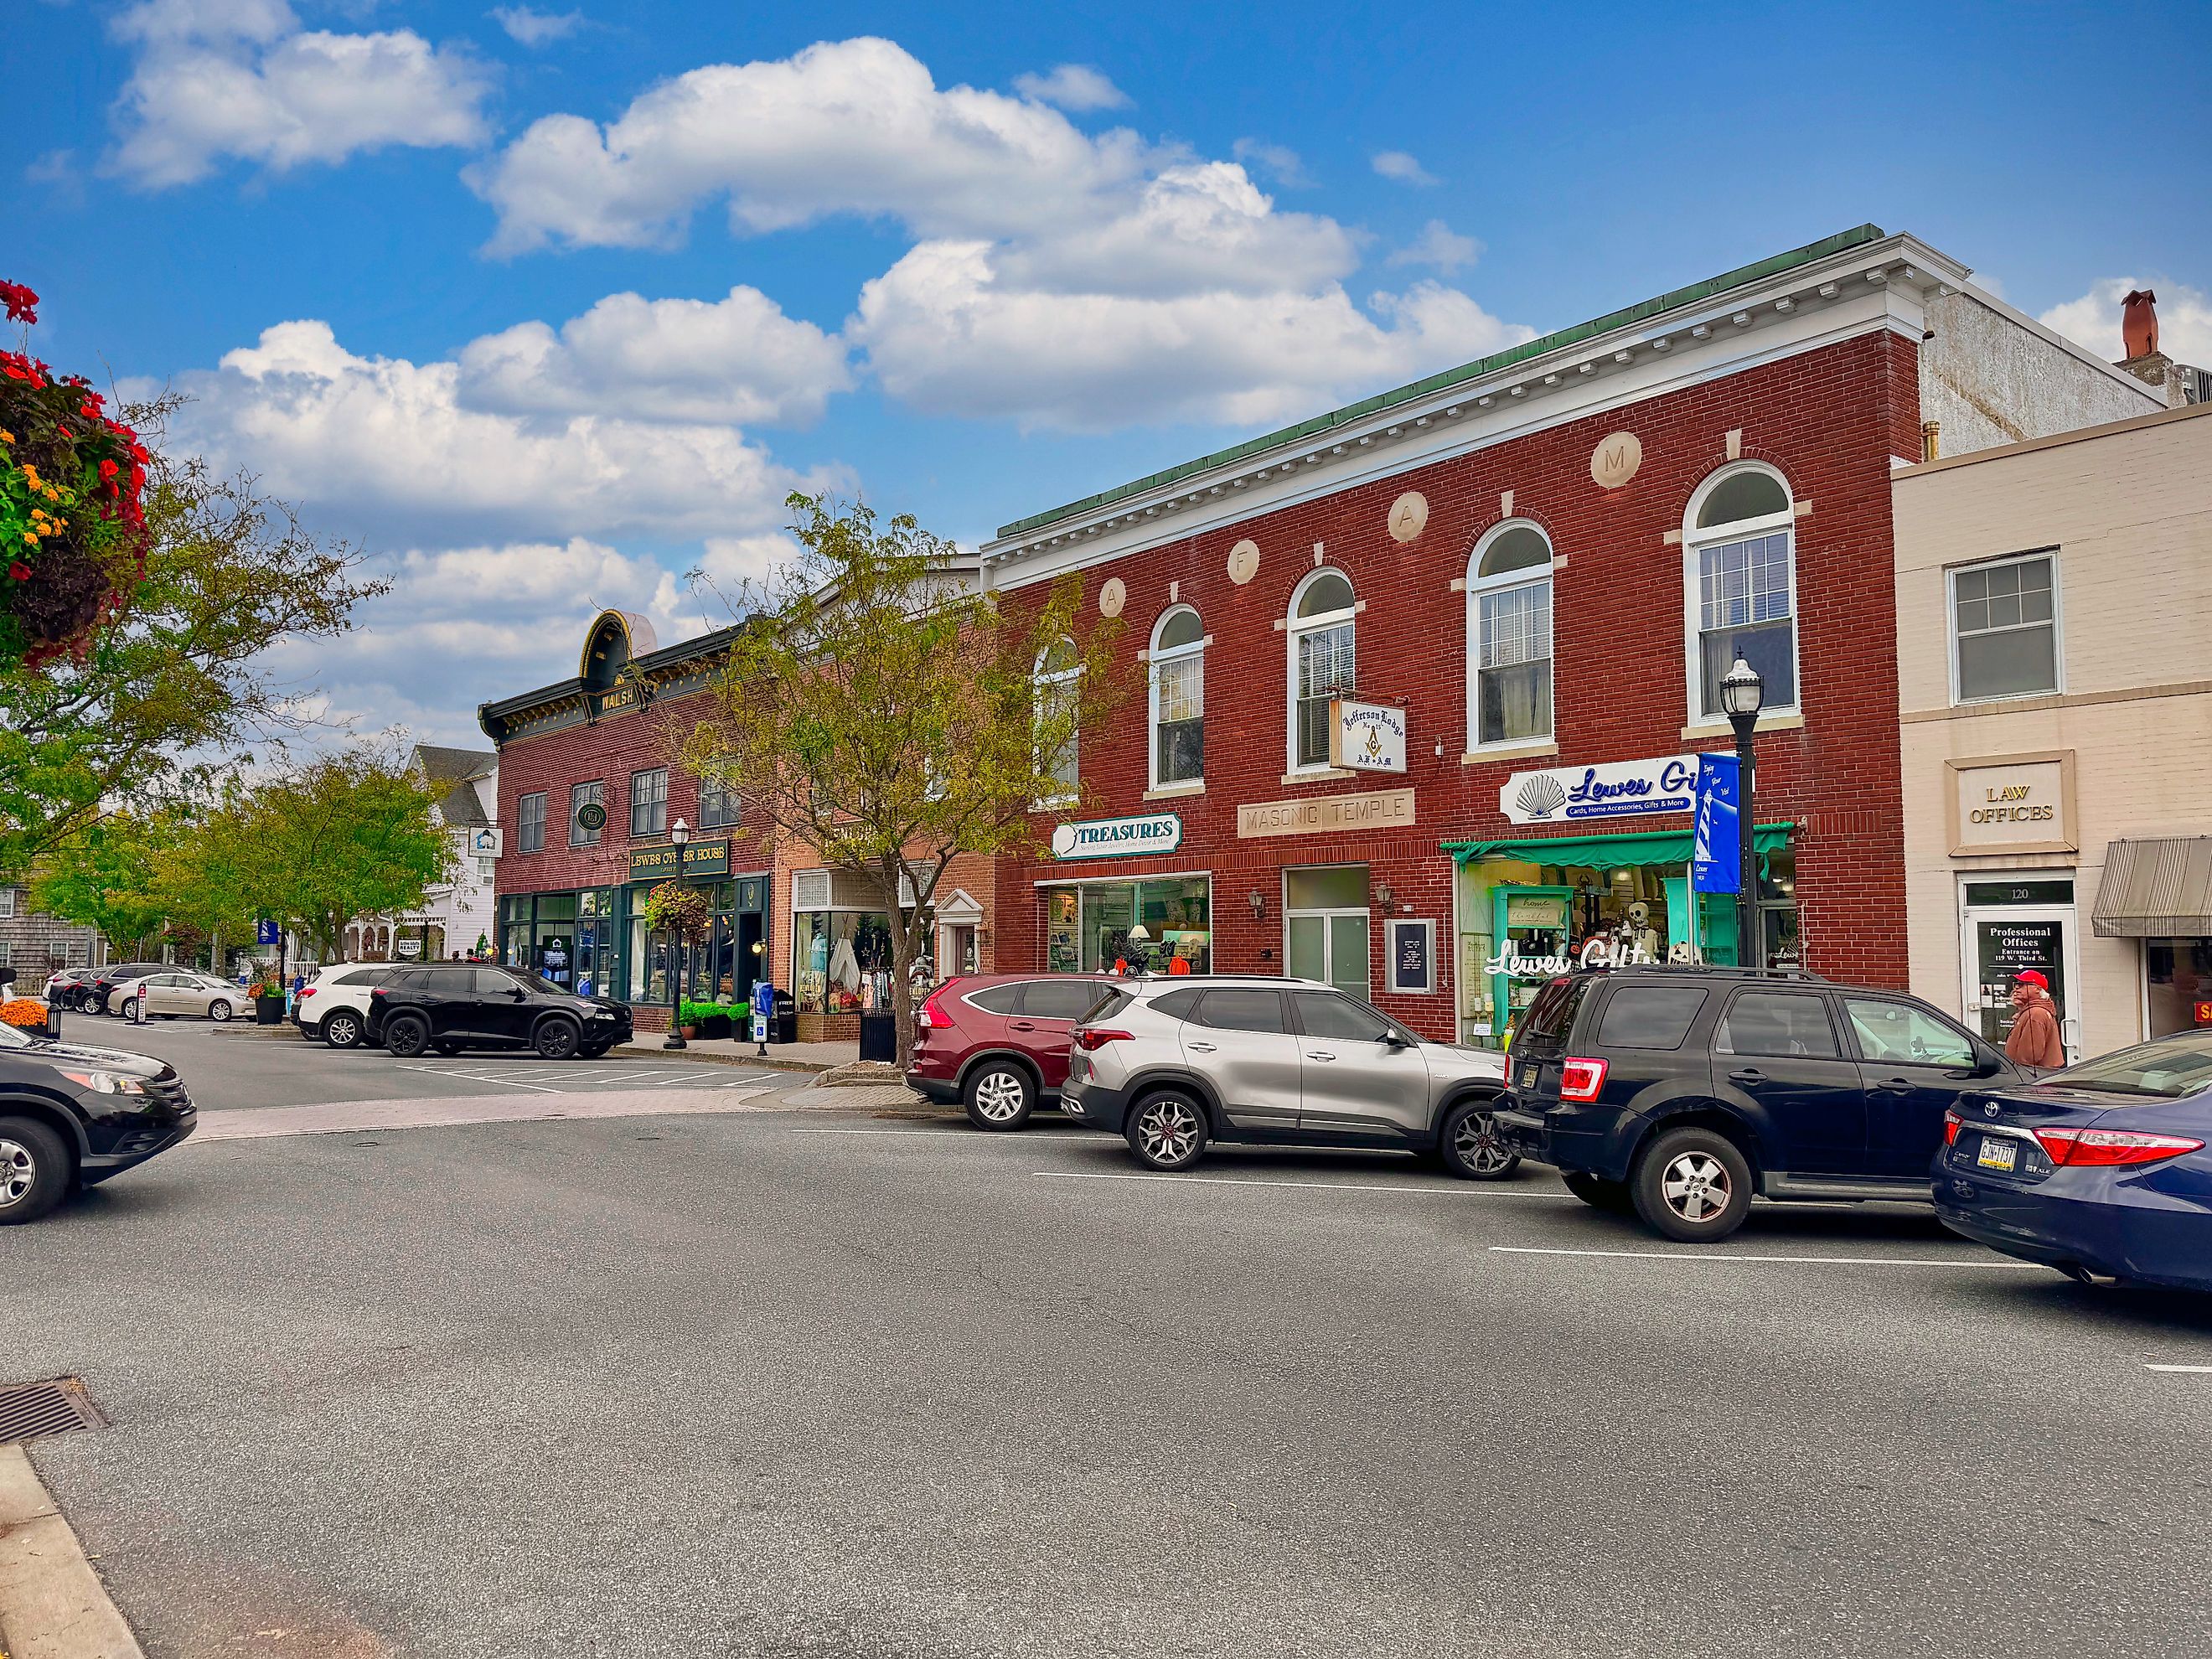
(678, 832)
(1742, 692)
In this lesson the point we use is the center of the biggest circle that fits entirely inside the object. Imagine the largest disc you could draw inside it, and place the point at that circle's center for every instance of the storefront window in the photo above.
(843, 961)
(2180, 984)
(1087, 927)
(554, 938)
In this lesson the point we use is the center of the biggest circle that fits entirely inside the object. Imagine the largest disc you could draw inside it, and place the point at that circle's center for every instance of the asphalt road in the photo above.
(825, 1383)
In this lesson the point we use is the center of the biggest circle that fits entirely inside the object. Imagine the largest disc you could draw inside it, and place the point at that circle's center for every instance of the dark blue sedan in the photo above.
(2099, 1170)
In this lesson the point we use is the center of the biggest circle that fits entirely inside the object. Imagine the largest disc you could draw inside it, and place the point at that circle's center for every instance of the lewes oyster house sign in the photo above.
(1563, 794)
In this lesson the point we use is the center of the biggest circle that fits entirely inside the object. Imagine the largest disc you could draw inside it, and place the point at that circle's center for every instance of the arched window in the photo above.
(1320, 661)
(1739, 541)
(1178, 676)
(1509, 636)
(1056, 671)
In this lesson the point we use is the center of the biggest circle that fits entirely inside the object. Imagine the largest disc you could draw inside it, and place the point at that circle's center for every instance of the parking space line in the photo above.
(1468, 1191)
(1694, 1254)
(874, 1132)
(2201, 1370)
(478, 1077)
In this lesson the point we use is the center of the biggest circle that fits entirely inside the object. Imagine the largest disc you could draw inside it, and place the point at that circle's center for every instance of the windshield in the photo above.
(2166, 1069)
(12, 1038)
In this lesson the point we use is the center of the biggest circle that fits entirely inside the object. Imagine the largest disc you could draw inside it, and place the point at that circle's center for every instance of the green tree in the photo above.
(106, 879)
(880, 710)
(178, 673)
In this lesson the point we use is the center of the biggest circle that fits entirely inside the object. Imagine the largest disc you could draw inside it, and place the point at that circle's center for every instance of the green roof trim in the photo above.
(1631, 851)
(1758, 271)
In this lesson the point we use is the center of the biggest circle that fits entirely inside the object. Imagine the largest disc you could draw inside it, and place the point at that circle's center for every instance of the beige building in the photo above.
(2054, 606)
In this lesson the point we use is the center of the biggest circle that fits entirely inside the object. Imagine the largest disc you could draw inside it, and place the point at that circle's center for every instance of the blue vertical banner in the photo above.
(1716, 853)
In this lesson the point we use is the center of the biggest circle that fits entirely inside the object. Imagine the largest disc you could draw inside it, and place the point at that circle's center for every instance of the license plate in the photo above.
(1997, 1153)
(1528, 1077)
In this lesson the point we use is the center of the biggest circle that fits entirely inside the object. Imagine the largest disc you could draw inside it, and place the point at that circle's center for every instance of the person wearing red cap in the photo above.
(2035, 1039)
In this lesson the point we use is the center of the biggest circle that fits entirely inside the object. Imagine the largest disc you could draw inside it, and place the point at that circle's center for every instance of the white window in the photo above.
(1509, 636)
(7, 954)
(1178, 676)
(1056, 673)
(2004, 628)
(1740, 543)
(7, 901)
(1321, 662)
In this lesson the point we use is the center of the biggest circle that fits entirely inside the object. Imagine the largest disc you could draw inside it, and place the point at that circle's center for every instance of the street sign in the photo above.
(267, 932)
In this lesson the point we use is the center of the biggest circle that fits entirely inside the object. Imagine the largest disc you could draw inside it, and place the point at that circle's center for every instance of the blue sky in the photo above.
(542, 307)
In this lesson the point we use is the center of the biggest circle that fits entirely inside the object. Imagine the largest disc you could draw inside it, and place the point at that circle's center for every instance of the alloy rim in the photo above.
(18, 1171)
(1168, 1131)
(999, 1097)
(219, 1011)
(343, 1029)
(1697, 1187)
(558, 1043)
(1476, 1143)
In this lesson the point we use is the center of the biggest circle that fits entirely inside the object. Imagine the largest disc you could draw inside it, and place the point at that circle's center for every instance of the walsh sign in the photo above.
(1118, 838)
(1623, 789)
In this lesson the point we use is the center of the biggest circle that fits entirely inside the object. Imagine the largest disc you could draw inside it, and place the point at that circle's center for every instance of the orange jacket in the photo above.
(2035, 1039)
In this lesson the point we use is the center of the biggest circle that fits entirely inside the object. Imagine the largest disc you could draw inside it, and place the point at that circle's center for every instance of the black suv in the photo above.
(92, 998)
(72, 1116)
(1681, 1092)
(461, 1005)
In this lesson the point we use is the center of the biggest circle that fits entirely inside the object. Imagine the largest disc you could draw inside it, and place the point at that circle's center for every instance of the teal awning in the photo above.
(1663, 846)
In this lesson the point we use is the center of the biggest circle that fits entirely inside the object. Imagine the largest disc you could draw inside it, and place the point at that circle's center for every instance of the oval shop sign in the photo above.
(1118, 838)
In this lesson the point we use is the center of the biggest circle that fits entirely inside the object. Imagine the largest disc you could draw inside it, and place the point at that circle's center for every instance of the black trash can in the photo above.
(879, 1037)
(783, 1026)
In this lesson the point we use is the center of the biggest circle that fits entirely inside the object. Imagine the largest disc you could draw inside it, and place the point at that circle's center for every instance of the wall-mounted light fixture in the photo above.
(1258, 901)
(1389, 898)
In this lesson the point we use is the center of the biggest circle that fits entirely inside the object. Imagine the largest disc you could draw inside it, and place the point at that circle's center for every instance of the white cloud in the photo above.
(1072, 86)
(1396, 165)
(2185, 319)
(1278, 161)
(239, 78)
(852, 126)
(537, 28)
(738, 359)
(386, 449)
(1438, 247)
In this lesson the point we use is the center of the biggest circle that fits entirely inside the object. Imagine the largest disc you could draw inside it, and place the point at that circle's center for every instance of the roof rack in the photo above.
(1710, 968)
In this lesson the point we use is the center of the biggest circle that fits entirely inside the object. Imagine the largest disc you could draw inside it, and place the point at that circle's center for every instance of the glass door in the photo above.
(2009, 925)
(1325, 914)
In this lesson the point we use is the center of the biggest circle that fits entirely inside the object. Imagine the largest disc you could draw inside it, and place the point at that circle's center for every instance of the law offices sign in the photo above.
(1561, 794)
(1118, 838)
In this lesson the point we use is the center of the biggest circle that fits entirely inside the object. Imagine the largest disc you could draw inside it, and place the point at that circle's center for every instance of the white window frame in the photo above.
(7, 903)
(523, 822)
(1477, 587)
(1155, 658)
(1951, 575)
(1041, 679)
(1295, 628)
(1694, 542)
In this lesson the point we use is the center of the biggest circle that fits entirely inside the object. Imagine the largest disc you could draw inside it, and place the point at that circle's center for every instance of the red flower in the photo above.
(108, 469)
(19, 571)
(22, 303)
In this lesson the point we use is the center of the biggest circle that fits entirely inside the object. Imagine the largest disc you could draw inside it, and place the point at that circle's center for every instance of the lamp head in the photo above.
(1138, 935)
(1743, 690)
(678, 832)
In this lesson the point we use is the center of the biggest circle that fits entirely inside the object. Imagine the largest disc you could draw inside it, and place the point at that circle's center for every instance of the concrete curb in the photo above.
(633, 1051)
(52, 1605)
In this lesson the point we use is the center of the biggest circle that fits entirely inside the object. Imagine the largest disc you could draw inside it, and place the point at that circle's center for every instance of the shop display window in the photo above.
(1087, 928)
(2178, 974)
(843, 961)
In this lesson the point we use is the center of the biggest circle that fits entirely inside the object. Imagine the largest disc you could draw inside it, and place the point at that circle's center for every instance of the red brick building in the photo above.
(1524, 568)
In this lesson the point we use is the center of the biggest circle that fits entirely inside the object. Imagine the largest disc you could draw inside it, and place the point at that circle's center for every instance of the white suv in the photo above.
(335, 1008)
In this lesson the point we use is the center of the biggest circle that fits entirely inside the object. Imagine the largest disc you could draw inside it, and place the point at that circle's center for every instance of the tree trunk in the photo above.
(902, 951)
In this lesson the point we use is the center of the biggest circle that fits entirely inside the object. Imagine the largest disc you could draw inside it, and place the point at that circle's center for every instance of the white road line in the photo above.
(1332, 1186)
(2201, 1370)
(1818, 1260)
(872, 1131)
(473, 1077)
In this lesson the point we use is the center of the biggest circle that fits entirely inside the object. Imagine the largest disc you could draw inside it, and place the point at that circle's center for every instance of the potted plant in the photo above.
(268, 993)
(706, 1019)
(29, 1014)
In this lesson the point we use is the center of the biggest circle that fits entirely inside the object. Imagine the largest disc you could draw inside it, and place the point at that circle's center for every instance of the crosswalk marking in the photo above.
(570, 1079)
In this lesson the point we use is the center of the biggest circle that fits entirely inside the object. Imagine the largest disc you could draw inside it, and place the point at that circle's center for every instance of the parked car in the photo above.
(177, 994)
(1681, 1092)
(73, 1116)
(101, 985)
(2099, 1171)
(335, 1008)
(1171, 1064)
(65, 988)
(998, 1042)
(456, 1005)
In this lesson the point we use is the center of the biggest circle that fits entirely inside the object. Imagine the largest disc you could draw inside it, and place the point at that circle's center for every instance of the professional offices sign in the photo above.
(1620, 789)
(1118, 838)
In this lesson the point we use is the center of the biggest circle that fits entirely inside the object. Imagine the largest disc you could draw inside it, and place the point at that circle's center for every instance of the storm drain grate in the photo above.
(31, 1411)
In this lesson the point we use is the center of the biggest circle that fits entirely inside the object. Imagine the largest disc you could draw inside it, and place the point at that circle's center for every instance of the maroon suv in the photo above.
(998, 1043)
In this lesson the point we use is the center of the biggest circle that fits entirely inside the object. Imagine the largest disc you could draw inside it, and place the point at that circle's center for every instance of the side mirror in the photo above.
(1392, 1040)
(517, 991)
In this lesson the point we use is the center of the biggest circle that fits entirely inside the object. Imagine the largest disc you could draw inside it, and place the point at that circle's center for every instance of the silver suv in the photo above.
(1173, 1063)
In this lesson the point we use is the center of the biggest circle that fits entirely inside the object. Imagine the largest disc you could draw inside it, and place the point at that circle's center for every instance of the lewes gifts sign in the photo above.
(1118, 838)
(1367, 737)
(1621, 789)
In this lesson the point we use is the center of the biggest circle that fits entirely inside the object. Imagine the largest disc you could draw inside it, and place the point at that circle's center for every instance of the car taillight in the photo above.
(933, 1016)
(1951, 1122)
(1581, 1079)
(2078, 1148)
(307, 991)
(1091, 1038)
(378, 992)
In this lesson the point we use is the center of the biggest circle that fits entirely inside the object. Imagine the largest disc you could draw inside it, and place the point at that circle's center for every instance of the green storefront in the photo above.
(1528, 903)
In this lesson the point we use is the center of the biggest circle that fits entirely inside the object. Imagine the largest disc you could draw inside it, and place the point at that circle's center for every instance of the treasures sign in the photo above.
(1118, 838)
(1621, 789)
(1393, 808)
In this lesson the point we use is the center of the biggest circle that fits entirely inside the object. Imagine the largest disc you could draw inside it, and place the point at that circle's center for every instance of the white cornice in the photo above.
(1862, 290)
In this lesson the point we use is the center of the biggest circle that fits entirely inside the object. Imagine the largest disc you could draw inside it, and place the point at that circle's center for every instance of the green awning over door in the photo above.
(1665, 847)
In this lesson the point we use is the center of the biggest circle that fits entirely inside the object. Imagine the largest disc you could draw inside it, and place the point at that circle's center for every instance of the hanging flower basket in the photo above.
(72, 527)
(672, 908)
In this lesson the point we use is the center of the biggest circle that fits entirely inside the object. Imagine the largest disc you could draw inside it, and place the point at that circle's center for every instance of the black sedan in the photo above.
(2100, 1171)
(72, 1116)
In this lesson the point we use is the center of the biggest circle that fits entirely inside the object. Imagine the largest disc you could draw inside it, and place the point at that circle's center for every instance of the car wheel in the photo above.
(1692, 1185)
(1168, 1132)
(556, 1039)
(342, 1028)
(1597, 1192)
(1470, 1146)
(1000, 1096)
(218, 1011)
(34, 1169)
(406, 1037)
